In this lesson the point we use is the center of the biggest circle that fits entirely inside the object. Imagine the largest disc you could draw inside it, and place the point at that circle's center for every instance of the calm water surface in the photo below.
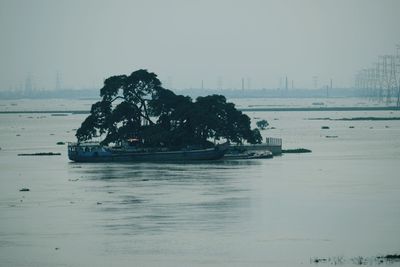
(342, 200)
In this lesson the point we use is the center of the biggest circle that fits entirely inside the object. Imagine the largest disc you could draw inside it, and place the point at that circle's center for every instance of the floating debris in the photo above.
(318, 103)
(318, 260)
(60, 143)
(359, 260)
(24, 189)
(73, 180)
(331, 136)
(351, 127)
(325, 127)
(99, 203)
(59, 114)
(41, 154)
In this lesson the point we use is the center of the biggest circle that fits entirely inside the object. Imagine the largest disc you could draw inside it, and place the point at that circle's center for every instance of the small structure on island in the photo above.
(271, 147)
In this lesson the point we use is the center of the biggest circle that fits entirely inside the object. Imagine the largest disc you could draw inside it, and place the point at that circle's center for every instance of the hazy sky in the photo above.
(186, 41)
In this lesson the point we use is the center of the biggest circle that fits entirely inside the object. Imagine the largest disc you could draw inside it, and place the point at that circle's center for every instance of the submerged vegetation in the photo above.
(138, 107)
(359, 260)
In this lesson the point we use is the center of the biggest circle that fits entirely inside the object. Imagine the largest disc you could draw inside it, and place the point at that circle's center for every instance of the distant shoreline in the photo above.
(321, 109)
(241, 109)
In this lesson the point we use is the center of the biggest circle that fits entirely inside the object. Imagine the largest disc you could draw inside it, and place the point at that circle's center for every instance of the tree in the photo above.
(125, 119)
(262, 124)
(218, 119)
(137, 106)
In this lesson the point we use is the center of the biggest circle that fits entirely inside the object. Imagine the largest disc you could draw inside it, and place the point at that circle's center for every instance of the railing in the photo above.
(270, 141)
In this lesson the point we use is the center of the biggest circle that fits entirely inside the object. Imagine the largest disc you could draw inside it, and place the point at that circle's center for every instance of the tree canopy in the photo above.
(262, 124)
(137, 106)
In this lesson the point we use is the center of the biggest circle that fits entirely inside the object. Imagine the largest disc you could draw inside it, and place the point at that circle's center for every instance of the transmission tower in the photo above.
(385, 77)
(378, 82)
(373, 82)
(392, 82)
(382, 81)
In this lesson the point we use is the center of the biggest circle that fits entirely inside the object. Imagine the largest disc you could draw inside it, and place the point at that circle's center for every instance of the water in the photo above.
(341, 200)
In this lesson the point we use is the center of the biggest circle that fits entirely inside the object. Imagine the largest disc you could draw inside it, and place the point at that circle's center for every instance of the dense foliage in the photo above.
(137, 106)
(262, 124)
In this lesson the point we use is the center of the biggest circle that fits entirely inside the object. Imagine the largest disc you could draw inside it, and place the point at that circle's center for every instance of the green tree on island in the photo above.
(137, 106)
(262, 124)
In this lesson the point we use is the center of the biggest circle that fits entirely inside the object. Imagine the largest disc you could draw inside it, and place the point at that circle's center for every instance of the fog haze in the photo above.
(185, 42)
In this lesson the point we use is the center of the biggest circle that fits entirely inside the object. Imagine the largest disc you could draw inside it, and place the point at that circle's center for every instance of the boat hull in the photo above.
(78, 155)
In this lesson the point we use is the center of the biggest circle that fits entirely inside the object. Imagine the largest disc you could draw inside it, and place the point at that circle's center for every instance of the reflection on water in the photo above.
(167, 197)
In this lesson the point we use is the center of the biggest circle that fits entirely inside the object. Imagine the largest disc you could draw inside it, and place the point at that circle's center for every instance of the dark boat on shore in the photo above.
(95, 152)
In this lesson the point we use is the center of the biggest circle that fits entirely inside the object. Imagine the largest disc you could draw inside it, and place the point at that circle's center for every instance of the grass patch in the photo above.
(359, 119)
(41, 154)
(296, 150)
(368, 261)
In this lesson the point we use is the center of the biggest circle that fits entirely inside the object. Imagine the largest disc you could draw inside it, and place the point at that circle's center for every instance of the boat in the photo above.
(95, 152)
(250, 155)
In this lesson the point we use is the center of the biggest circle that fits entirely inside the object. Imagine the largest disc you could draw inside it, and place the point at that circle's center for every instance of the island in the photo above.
(138, 119)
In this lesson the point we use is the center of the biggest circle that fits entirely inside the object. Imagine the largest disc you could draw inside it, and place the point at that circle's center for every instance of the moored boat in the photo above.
(95, 152)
